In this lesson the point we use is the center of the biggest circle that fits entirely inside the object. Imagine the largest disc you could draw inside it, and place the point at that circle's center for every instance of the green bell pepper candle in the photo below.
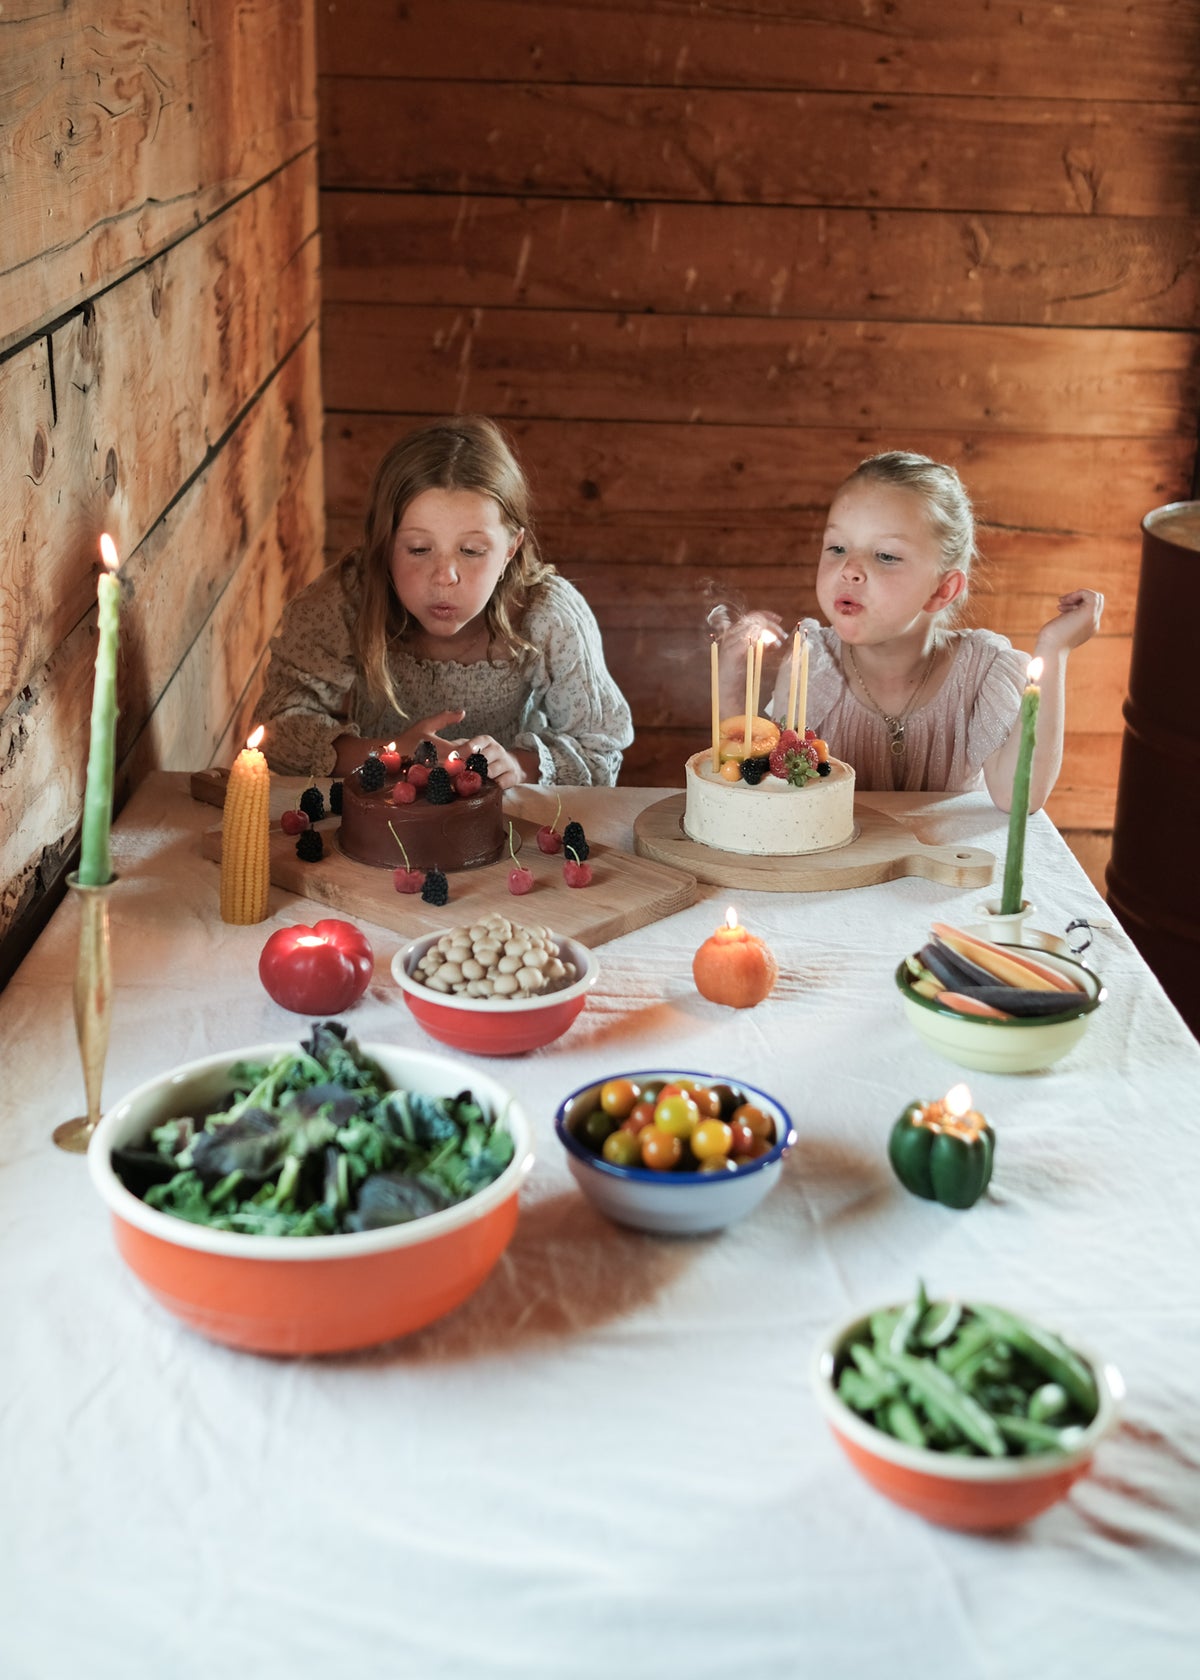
(95, 860)
(1014, 858)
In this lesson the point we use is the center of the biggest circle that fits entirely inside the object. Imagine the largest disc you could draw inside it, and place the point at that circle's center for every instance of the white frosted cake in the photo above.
(771, 818)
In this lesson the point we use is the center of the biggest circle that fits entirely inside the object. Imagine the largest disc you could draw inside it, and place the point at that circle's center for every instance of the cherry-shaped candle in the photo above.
(734, 967)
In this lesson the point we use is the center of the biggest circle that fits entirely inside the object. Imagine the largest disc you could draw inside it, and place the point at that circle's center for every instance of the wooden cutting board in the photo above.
(882, 850)
(626, 892)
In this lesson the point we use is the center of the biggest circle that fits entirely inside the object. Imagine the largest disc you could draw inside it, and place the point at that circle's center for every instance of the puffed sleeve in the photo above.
(998, 682)
(575, 718)
(310, 679)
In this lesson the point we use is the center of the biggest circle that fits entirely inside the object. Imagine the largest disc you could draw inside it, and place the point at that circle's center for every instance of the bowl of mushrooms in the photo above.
(496, 987)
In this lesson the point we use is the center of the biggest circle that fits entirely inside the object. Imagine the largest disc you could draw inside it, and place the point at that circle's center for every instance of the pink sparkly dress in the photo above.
(945, 740)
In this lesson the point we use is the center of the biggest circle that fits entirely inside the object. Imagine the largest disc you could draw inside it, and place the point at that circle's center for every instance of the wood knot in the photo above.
(110, 473)
(40, 453)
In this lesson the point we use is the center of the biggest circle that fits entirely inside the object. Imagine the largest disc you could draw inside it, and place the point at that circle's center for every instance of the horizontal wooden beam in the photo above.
(987, 47)
(738, 259)
(534, 364)
(902, 151)
(730, 478)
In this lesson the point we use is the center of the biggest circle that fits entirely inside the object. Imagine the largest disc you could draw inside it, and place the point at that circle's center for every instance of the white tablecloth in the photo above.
(608, 1462)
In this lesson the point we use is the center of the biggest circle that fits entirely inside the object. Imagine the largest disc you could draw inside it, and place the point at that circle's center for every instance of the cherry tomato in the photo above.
(759, 1123)
(717, 1164)
(660, 1150)
(617, 1096)
(707, 1101)
(743, 1138)
(641, 1114)
(711, 1137)
(728, 1099)
(676, 1114)
(622, 1149)
(596, 1128)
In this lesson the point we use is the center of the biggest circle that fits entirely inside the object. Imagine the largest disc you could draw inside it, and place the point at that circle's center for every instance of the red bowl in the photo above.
(488, 1026)
(294, 1295)
(962, 1493)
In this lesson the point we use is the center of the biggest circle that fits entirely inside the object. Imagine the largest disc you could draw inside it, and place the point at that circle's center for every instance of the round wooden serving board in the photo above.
(882, 850)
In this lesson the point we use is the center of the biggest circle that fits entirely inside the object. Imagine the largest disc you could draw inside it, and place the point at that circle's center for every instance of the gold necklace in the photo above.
(895, 724)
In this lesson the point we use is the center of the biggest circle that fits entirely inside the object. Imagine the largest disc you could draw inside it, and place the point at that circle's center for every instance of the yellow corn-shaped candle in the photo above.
(245, 837)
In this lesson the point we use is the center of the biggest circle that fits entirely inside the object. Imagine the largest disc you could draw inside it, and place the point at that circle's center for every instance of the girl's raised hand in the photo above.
(506, 768)
(1078, 619)
(426, 729)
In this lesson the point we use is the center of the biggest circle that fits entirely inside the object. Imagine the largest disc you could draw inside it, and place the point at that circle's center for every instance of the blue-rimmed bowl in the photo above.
(680, 1203)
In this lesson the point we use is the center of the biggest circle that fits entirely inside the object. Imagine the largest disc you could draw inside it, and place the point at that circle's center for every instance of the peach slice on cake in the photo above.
(764, 737)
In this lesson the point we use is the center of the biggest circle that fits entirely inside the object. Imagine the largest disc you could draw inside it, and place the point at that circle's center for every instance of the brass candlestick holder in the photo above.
(93, 1008)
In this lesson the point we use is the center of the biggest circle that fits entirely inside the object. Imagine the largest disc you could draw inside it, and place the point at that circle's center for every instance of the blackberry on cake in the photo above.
(371, 775)
(439, 790)
(335, 799)
(478, 763)
(425, 753)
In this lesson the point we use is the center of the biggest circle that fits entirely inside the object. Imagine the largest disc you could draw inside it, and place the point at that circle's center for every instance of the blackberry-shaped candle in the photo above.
(245, 837)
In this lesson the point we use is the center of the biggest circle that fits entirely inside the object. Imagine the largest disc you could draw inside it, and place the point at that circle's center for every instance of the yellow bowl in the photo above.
(1021, 1045)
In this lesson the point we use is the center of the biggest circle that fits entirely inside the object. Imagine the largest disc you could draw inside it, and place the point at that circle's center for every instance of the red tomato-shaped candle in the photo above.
(317, 970)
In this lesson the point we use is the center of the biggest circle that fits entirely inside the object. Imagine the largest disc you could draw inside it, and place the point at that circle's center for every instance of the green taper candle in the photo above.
(95, 859)
(1014, 859)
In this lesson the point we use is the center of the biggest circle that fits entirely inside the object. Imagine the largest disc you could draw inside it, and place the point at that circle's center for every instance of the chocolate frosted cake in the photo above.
(463, 831)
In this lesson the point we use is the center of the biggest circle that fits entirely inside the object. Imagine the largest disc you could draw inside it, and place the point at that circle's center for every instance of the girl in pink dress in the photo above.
(907, 700)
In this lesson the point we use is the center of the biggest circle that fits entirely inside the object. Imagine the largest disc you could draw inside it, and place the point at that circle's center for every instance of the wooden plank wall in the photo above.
(701, 259)
(159, 379)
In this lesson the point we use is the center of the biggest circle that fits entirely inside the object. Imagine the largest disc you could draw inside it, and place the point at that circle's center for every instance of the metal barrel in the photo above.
(1153, 877)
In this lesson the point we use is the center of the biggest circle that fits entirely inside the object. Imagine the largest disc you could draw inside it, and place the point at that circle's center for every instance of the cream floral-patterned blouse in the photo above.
(559, 701)
(945, 741)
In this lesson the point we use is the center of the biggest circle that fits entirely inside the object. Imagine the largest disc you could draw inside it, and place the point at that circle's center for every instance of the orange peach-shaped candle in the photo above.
(734, 966)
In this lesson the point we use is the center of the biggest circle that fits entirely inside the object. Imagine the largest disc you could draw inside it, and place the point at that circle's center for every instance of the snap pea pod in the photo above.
(1042, 1437)
(902, 1422)
(1048, 1402)
(926, 1379)
(872, 1370)
(939, 1323)
(975, 1339)
(858, 1392)
(1048, 1353)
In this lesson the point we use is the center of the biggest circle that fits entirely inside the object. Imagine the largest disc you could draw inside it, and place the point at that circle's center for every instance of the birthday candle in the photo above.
(749, 694)
(758, 665)
(793, 680)
(245, 837)
(802, 694)
(95, 858)
(1014, 858)
(715, 676)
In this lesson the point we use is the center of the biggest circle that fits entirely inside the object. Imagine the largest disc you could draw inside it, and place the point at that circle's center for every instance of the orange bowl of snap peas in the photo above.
(973, 1416)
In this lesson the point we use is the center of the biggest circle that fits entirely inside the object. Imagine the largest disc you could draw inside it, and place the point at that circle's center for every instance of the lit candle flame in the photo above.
(391, 747)
(958, 1100)
(254, 739)
(108, 552)
(731, 917)
(1034, 672)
